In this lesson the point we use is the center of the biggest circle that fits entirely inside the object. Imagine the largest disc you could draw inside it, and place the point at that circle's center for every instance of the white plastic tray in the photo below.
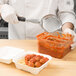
(12, 54)
(28, 68)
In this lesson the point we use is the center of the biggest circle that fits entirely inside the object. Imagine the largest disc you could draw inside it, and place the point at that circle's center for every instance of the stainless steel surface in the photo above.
(49, 23)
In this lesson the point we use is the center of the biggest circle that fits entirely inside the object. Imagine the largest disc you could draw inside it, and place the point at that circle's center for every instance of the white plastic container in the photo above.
(11, 54)
(8, 53)
(32, 70)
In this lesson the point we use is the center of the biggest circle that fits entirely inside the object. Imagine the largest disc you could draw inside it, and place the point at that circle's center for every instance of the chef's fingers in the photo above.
(73, 45)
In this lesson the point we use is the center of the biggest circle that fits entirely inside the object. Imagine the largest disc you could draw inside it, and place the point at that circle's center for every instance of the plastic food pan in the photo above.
(56, 44)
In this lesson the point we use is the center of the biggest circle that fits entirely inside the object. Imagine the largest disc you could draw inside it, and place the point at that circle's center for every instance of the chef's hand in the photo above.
(69, 31)
(8, 14)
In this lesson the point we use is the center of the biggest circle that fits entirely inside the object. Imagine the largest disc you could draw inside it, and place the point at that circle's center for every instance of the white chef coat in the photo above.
(36, 9)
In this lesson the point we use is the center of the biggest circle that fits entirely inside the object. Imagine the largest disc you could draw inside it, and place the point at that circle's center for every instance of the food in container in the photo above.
(33, 60)
(31, 66)
(19, 57)
(54, 44)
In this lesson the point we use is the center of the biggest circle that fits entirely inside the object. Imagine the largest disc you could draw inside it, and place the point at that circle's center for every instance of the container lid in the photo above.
(8, 53)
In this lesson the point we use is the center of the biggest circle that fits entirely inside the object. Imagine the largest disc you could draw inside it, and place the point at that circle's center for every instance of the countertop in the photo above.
(56, 67)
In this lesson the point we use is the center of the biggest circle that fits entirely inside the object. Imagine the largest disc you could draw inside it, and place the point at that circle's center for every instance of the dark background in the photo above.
(75, 6)
(3, 29)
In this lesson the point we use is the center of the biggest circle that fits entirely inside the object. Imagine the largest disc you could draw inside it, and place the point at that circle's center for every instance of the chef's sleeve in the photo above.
(66, 11)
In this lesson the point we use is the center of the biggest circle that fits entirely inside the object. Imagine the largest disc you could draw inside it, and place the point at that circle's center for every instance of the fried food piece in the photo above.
(46, 59)
(27, 57)
(38, 57)
(26, 62)
(31, 64)
(33, 55)
(43, 60)
(38, 64)
(33, 60)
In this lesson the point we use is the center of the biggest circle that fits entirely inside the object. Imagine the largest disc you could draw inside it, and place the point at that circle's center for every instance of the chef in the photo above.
(35, 9)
